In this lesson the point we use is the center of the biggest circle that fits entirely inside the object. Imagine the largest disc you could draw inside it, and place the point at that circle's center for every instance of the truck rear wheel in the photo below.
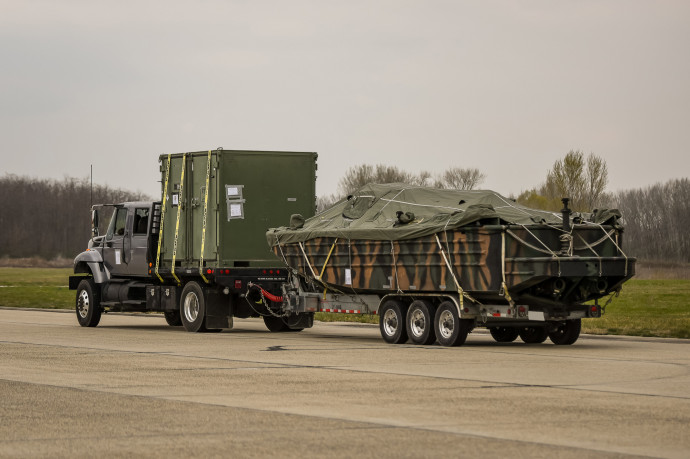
(392, 322)
(504, 334)
(567, 332)
(88, 304)
(193, 308)
(451, 330)
(420, 322)
(173, 318)
(275, 324)
(533, 335)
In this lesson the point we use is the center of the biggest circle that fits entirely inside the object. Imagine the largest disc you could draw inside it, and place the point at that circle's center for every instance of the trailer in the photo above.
(199, 254)
(435, 264)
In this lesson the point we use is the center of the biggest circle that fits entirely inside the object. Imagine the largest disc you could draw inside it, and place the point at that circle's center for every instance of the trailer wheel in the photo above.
(567, 332)
(451, 330)
(533, 335)
(392, 322)
(420, 322)
(173, 318)
(88, 305)
(275, 324)
(193, 308)
(504, 334)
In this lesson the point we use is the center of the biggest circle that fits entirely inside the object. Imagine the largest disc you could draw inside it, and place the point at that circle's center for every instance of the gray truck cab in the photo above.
(124, 249)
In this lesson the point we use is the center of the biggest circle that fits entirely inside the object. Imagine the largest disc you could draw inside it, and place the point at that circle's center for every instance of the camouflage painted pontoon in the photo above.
(491, 257)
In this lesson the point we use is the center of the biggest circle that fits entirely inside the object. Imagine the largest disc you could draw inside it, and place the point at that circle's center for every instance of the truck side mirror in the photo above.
(94, 222)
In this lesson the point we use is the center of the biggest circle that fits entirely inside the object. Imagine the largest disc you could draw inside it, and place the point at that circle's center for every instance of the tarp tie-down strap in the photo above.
(203, 225)
(504, 288)
(160, 228)
(395, 268)
(313, 273)
(323, 269)
(461, 292)
(177, 224)
(593, 251)
(551, 252)
(617, 246)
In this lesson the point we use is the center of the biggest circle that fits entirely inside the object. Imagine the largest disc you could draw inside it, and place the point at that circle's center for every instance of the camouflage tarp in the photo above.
(399, 212)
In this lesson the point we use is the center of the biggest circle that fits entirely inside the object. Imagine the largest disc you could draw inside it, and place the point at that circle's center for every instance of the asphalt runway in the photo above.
(135, 387)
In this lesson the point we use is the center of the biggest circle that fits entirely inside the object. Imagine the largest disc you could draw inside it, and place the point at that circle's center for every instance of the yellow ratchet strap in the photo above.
(203, 229)
(323, 270)
(160, 228)
(177, 224)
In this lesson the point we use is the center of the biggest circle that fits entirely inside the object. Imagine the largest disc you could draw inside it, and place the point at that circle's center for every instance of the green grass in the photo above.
(644, 308)
(44, 288)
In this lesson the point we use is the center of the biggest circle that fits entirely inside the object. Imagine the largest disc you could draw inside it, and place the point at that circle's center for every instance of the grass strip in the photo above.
(658, 308)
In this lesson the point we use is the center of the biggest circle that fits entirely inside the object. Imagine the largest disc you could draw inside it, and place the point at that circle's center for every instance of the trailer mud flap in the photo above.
(217, 310)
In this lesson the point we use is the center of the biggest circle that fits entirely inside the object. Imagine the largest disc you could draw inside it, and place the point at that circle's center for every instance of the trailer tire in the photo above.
(451, 330)
(193, 308)
(420, 322)
(275, 324)
(392, 322)
(173, 318)
(88, 304)
(566, 332)
(533, 335)
(504, 334)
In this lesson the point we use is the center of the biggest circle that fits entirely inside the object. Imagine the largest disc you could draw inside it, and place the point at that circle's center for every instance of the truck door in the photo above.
(114, 250)
(137, 246)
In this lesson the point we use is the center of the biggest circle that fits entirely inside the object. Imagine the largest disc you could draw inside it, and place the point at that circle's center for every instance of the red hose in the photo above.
(270, 296)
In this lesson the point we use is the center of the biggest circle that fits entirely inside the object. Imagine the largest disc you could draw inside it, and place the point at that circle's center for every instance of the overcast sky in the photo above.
(507, 87)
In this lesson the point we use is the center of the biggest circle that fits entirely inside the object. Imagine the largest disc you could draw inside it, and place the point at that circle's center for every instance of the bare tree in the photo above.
(49, 218)
(458, 178)
(358, 176)
(656, 221)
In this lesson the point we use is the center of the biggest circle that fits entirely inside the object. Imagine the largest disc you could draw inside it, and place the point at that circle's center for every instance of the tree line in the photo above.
(50, 218)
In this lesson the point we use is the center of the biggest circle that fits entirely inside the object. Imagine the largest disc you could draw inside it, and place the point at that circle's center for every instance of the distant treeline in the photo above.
(657, 221)
(50, 218)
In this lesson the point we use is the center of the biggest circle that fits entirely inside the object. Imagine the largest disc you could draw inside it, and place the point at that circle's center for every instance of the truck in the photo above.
(199, 254)
(432, 264)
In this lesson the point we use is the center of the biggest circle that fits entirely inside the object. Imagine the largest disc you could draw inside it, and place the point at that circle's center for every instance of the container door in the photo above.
(202, 232)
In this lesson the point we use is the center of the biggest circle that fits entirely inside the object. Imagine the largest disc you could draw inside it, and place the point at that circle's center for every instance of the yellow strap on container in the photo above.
(177, 224)
(203, 224)
(160, 228)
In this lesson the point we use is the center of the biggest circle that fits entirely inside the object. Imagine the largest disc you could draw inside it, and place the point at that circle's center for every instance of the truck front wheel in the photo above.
(88, 303)
(193, 308)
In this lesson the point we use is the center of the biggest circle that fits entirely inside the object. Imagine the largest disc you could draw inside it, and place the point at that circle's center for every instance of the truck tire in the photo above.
(420, 322)
(533, 335)
(275, 324)
(392, 322)
(567, 332)
(88, 305)
(193, 308)
(173, 318)
(451, 330)
(504, 334)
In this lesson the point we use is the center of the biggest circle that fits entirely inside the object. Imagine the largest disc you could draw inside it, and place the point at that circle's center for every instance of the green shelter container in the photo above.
(217, 205)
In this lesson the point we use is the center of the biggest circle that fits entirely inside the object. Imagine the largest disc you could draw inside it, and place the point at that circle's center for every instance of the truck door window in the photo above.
(141, 221)
(117, 224)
